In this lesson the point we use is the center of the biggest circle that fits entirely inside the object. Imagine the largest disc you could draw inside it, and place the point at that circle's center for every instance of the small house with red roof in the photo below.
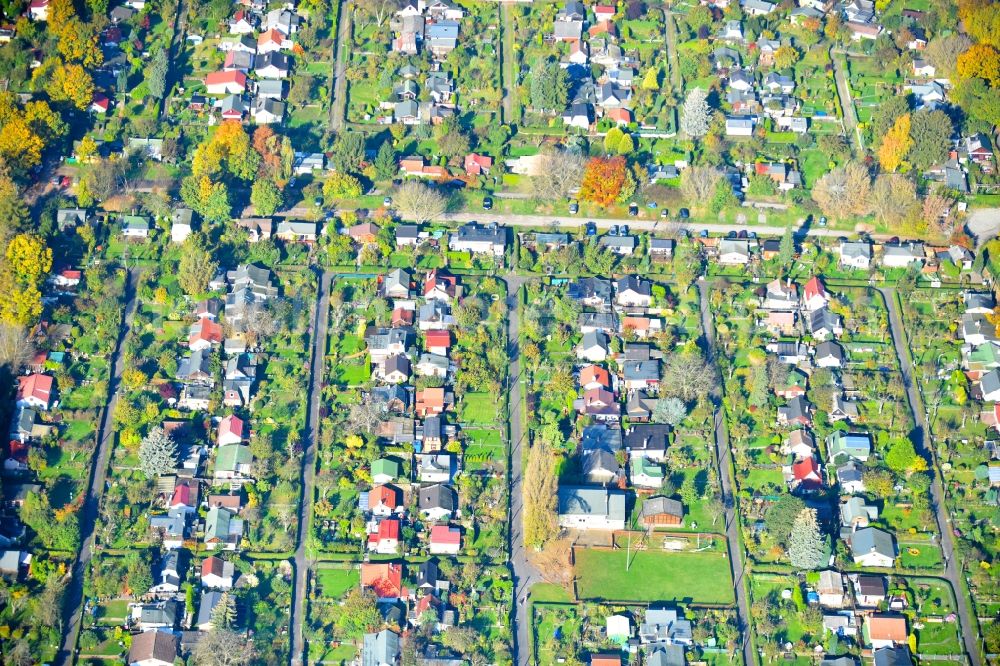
(814, 295)
(604, 12)
(217, 574)
(431, 400)
(595, 377)
(273, 40)
(17, 456)
(620, 115)
(445, 540)
(38, 10)
(478, 165)
(67, 279)
(226, 83)
(35, 391)
(384, 500)
(401, 317)
(440, 286)
(232, 430)
(203, 334)
(438, 342)
(184, 496)
(806, 475)
(385, 579)
(100, 103)
(385, 539)
(603, 28)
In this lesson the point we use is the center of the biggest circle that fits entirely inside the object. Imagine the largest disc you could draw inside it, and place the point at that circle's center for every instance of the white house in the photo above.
(591, 508)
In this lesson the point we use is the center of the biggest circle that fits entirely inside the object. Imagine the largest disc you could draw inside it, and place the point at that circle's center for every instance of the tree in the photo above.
(157, 453)
(894, 199)
(625, 145)
(386, 165)
(896, 144)
(20, 146)
(887, 114)
(689, 491)
(28, 258)
(902, 457)
(156, 75)
(931, 132)
(603, 180)
(980, 61)
(348, 151)
(196, 267)
(612, 138)
(540, 491)
(671, 411)
(208, 199)
(943, 52)
(981, 19)
(71, 83)
(651, 79)
(266, 197)
(223, 615)
(698, 184)
(451, 139)
(786, 249)
(223, 647)
(781, 515)
(555, 562)
(228, 150)
(844, 191)
(418, 202)
(695, 114)
(359, 614)
(340, 186)
(559, 173)
(15, 347)
(805, 543)
(786, 56)
(548, 87)
(687, 376)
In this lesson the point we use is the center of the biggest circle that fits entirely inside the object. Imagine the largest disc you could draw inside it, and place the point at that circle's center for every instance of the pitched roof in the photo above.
(35, 386)
(887, 627)
(385, 578)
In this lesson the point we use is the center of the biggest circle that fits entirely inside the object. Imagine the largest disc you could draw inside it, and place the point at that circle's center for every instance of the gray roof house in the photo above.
(829, 354)
(478, 238)
(666, 655)
(666, 626)
(872, 547)
(209, 600)
(437, 502)
(70, 217)
(595, 292)
(601, 436)
(600, 466)
(623, 245)
(593, 347)
(855, 254)
(441, 37)
(898, 655)
(587, 507)
(381, 649)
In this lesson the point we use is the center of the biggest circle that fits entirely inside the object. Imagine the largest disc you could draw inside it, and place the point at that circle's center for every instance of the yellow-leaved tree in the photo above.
(896, 144)
(72, 83)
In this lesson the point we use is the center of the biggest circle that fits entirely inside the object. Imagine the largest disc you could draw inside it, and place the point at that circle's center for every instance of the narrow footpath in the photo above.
(524, 574)
(725, 466)
(73, 603)
(922, 441)
(297, 616)
(338, 98)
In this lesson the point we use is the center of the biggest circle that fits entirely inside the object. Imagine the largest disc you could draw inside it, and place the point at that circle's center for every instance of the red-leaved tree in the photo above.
(603, 180)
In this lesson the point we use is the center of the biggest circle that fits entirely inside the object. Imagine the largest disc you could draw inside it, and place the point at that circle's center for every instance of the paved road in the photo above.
(846, 105)
(922, 441)
(297, 616)
(73, 604)
(524, 574)
(338, 101)
(722, 456)
(570, 222)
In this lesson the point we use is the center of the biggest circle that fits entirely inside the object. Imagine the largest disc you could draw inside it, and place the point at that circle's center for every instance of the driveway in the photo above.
(338, 101)
(724, 462)
(523, 573)
(73, 604)
(922, 441)
(297, 616)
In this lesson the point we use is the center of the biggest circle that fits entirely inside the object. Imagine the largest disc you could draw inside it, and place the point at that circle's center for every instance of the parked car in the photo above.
(387, 201)
(822, 221)
(613, 231)
(591, 229)
(633, 209)
(488, 203)
(683, 213)
(664, 213)
(651, 204)
(704, 233)
(574, 208)
(624, 230)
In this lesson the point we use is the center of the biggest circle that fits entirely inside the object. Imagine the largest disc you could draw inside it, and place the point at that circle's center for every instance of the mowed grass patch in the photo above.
(334, 583)
(478, 408)
(654, 576)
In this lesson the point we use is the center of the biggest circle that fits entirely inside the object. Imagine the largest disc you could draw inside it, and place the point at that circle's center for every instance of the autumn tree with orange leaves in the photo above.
(896, 144)
(603, 180)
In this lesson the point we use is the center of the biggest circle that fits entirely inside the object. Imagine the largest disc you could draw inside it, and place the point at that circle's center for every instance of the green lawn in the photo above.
(478, 408)
(353, 374)
(927, 556)
(654, 576)
(334, 583)
(938, 638)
